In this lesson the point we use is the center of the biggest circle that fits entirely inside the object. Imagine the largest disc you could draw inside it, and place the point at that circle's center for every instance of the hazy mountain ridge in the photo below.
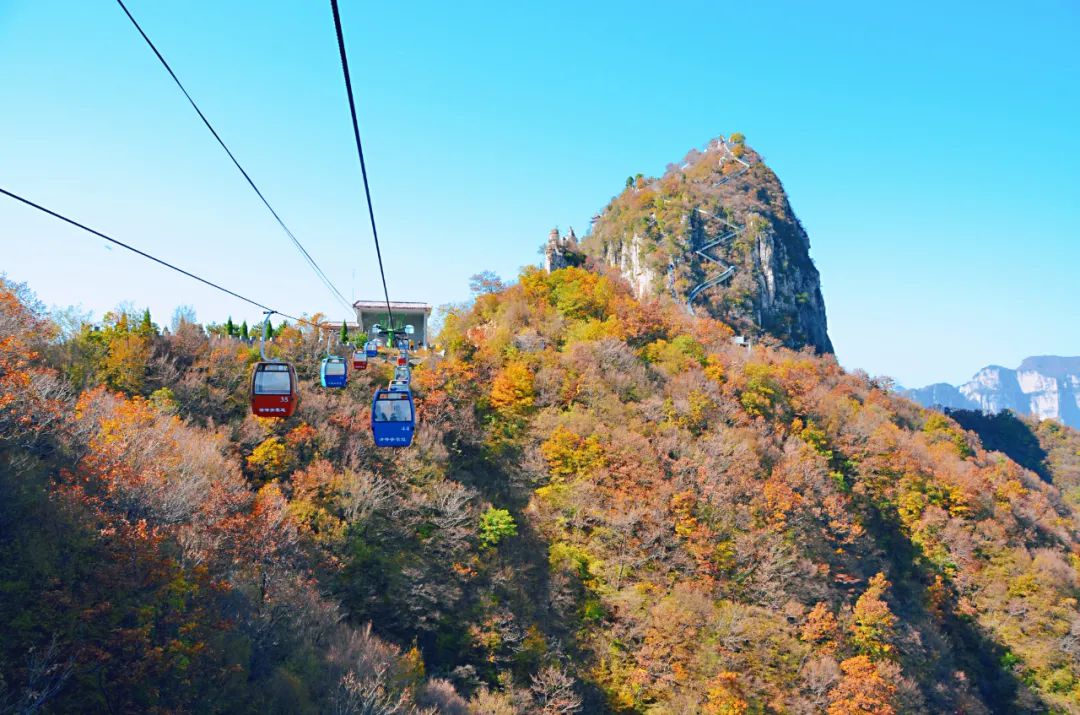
(1045, 386)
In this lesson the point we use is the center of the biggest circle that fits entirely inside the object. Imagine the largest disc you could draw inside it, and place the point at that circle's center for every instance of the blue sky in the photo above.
(930, 149)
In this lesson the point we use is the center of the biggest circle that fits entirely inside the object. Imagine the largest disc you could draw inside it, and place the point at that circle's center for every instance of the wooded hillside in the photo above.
(609, 507)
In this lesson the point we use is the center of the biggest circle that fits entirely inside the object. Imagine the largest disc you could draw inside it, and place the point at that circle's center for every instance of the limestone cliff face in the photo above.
(717, 233)
(630, 259)
(1046, 387)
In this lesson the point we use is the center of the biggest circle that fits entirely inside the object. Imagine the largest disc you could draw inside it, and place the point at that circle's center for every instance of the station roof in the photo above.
(405, 306)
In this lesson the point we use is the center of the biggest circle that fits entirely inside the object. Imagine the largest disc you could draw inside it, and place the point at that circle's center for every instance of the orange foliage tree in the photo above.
(862, 690)
(512, 389)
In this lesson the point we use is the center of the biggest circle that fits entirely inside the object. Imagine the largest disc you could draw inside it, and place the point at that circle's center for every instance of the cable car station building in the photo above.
(370, 312)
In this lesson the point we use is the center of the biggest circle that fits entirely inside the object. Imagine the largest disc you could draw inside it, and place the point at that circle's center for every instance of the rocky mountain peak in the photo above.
(717, 233)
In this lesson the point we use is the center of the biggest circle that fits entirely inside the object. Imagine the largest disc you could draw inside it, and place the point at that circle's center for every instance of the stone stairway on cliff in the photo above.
(732, 231)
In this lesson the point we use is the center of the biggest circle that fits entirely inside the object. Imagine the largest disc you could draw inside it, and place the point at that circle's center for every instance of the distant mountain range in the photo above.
(1045, 386)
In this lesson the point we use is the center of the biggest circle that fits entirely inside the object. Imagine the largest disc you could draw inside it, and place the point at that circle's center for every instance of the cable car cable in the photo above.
(155, 259)
(360, 151)
(311, 261)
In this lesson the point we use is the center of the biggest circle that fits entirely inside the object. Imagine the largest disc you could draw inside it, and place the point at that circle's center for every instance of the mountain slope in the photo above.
(717, 232)
(146, 566)
(608, 508)
(1047, 387)
(716, 522)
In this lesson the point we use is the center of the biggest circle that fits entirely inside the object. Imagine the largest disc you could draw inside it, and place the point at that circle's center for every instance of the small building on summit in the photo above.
(371, 312)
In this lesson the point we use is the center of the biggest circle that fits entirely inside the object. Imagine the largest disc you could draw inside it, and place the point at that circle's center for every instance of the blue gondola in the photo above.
(393, 418)
(372, 349)
(333, 372)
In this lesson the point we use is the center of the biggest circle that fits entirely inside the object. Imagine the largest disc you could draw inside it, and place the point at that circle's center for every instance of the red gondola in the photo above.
(273, 389)
(273, 384)
(359, 360)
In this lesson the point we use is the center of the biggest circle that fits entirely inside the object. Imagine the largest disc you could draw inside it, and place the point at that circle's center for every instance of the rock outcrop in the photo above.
(562, 252)
(1046, 387)
(717, 233)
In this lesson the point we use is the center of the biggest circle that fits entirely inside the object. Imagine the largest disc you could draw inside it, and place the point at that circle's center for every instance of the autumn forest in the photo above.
(608, 508)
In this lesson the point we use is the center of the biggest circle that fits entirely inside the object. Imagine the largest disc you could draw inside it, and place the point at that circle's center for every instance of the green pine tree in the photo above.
(344, 333)
(244, 330)
(146, 326)
(230, 327)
